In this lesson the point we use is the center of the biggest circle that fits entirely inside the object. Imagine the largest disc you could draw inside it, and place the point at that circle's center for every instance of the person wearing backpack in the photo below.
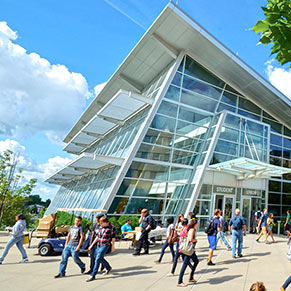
(169, 240)
(263, 226)
(223, 228)
(212, 229)
(147, 224)
(238, 229)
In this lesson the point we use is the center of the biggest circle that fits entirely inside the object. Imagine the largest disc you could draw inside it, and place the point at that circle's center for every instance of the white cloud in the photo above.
(98, 88)
(31, 169)
(36, 96)
(280, 78)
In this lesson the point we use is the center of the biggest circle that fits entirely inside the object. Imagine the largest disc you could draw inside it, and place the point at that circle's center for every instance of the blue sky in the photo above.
(92, 38)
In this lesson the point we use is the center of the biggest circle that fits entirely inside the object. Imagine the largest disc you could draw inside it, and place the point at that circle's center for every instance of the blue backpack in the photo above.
(237, 223)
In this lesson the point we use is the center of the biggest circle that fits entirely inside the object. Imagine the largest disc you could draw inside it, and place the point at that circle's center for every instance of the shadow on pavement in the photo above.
(214, 270)
(219, 280)
(258, 254)
(233, 261)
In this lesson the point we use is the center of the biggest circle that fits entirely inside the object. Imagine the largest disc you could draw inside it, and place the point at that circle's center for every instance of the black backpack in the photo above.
(209, 228)
(153, 224)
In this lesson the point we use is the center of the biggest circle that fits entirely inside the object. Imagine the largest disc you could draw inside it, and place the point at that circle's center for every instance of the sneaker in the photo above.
(107, 272)
(59, 276)
(88, 272)
(145, 253)
(240, 256)
(234, 257)
(83, 270)
(24, 261)
(92, 278)
(210, 263)
(281, 288)
(136, 254)
(229, 249)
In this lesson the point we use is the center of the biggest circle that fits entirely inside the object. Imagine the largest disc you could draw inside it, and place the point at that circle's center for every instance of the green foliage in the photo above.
(65, 218)
(118, 222)
(13, 196)
(276, 29)
(35, 199)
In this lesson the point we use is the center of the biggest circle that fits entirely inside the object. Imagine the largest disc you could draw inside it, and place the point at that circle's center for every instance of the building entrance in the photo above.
(226, 204)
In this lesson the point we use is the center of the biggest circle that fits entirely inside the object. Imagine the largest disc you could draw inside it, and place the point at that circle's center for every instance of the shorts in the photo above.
(212, 241)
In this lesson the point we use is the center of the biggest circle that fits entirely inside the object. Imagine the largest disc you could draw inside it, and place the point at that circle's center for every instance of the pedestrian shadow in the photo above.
(258, 254)
(131, 268)
(35, 262)
(214, 270)
(220, 280)
(233, 261)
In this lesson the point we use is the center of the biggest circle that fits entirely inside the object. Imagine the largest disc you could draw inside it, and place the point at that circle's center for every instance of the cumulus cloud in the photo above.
(36, 96)
(32, 169)
(98, 88)
(280, 78)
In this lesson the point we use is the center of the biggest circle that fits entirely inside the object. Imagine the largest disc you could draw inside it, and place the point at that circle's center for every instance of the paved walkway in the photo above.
(261, 262)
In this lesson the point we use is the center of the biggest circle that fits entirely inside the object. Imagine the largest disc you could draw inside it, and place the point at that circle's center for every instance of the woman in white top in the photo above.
(16, 237)
(170, 222)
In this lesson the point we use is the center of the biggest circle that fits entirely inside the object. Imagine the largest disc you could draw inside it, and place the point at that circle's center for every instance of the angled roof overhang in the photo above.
(120, 107)
(174, 31)
(86, 162)
(245, 169)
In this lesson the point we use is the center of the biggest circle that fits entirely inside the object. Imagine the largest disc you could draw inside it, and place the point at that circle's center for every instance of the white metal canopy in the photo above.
(124, 104)
(84, 163)
(245, 169)
(120, 107)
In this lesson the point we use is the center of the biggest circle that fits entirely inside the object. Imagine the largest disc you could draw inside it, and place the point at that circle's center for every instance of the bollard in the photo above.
(279, 226)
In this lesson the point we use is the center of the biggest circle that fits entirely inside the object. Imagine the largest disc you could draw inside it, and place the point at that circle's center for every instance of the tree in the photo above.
(13, 196)
(276, 29)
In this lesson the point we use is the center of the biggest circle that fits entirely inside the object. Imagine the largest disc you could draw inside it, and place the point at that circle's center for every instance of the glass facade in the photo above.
(177, 141)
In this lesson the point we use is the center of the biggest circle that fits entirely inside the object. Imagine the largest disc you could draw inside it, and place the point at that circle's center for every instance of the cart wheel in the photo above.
(45, 250)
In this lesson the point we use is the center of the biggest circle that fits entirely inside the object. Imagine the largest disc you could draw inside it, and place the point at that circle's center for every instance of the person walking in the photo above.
(287, 224)
(92, 252)
(214, 228)
(16, 237)
(178, 228)
(147, 222)
(74, 241)
(238, 229)
(258, 216)
(191, 235)
(183, 234)
(263, 226)
(170, 229)
(220, 234)
(105, 239)
(270, 225)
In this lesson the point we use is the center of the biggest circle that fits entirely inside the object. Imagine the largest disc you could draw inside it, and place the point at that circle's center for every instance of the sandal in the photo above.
(182, 285)
(170, 275)
(192, 281)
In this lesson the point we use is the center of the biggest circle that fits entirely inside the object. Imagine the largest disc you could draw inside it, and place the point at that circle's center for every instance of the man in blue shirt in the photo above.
(212, 238)
(126, 228)
(263, 225)
(237, 228)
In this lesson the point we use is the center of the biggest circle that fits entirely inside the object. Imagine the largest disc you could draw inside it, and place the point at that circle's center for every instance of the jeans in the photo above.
(237, 235)
(92, 254)
(177, 255)
(143, 242)
(166, 244)
(100, 252)
(287, 283)
(186, 262)
(221, 235)
(12, 241)
(67, 252)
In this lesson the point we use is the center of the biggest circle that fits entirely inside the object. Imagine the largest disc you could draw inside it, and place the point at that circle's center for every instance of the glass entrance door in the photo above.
(246, 211)
(225, 204)
(228, 207)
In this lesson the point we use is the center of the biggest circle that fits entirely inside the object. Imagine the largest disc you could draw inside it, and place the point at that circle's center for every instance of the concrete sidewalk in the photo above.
(261, 262)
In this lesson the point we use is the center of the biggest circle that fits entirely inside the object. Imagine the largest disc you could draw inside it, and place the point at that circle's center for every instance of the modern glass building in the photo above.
(182, 125)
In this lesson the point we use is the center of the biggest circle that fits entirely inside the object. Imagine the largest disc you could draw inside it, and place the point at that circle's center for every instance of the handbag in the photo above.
(186, 246)
(173, 237)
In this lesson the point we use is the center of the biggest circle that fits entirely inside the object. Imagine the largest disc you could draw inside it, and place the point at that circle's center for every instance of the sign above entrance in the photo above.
(251, 192)
(223, 189)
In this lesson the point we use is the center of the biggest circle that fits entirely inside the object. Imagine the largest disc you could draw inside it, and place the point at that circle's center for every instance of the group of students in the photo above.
(180, 236)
